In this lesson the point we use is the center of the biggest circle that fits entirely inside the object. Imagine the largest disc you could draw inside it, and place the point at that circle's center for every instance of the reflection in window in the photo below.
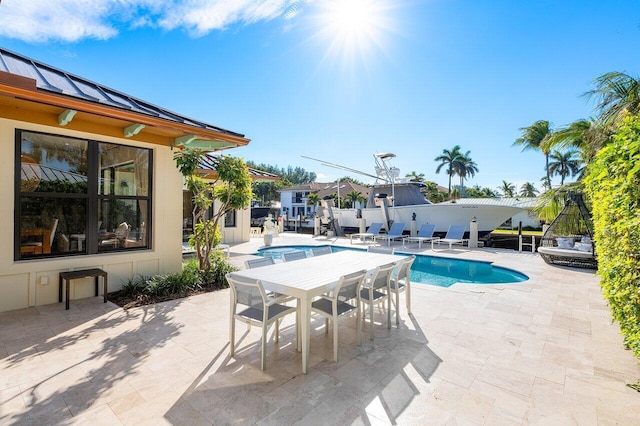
(57, 192)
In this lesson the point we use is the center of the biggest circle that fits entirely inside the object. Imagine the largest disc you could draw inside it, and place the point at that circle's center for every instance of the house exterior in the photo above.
(293, 200)
(88, 181)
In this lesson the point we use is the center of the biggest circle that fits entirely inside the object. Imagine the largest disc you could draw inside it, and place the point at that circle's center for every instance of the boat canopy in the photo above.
(406, 194)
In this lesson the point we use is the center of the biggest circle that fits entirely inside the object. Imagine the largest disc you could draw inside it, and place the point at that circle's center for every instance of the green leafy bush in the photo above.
(613, 184)
(190, 279)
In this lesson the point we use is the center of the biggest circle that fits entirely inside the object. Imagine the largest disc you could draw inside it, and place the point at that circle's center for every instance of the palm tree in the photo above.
(528, 190)
(586, 135)
(507, 189)
(534, 137)
(619, 95)
(545, 182)
(415, 177)
(352, 197)
(451, 159)
(466, 167)
(313, 199)
(564, 164)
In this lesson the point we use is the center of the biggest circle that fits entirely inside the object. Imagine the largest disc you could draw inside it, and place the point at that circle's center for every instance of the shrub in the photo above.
(613, 184)
(191, 278)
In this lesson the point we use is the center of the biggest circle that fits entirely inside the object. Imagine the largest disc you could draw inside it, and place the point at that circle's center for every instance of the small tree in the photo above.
(231, 188)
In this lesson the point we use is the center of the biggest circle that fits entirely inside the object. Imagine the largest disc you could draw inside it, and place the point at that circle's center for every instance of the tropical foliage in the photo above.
(456, 163)
(564, 164)
(534, 138)
(528, 190)
(231, 189)
(507, 189)
(613, 185)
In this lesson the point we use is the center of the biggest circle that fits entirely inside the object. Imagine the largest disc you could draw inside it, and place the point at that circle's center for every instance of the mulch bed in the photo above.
(128, 301)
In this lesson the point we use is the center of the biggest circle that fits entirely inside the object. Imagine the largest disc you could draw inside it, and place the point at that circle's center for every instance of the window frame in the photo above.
(92, 198)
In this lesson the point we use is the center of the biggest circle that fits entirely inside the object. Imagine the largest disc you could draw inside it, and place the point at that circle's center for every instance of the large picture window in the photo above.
(76, 196)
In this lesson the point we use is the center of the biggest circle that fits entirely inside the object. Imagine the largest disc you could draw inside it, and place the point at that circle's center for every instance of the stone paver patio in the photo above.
(540, 352)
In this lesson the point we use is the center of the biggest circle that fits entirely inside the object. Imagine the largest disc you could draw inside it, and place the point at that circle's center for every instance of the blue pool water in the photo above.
(433, 270)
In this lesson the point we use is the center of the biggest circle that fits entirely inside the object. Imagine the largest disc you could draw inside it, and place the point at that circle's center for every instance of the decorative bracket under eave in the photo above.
(66, 116)
(132, 130)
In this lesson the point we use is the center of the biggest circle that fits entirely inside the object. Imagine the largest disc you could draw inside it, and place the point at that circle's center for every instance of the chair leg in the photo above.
(397, 306)
(388, 310)
(232, 336)
(335, 338)
(371, 318)
(359, 326)
(277, 336)
(408, 294)
(263, 352)
(326, 325)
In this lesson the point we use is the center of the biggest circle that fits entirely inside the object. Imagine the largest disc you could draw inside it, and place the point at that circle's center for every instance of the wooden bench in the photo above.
(83, 273)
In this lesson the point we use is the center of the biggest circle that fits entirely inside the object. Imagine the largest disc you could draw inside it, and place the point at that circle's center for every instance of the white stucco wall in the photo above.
(21, 283)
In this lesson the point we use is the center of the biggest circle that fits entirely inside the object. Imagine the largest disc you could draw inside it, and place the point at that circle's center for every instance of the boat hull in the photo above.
(488, 217)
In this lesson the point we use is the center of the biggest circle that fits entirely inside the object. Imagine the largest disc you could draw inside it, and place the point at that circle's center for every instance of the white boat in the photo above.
(398, 200)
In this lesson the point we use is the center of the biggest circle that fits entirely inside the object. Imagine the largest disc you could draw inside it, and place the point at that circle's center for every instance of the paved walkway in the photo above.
(539, 352)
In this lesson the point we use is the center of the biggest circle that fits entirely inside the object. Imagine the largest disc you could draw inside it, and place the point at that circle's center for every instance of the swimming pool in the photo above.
(433, 270)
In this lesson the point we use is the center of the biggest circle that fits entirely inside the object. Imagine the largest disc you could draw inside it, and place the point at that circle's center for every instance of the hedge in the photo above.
(613, 185)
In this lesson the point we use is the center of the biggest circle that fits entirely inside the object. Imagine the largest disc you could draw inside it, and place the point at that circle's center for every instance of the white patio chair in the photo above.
(344, 299)
(256, 263)
(376, 290)
(401, 282)
(454, 236)
(373, 230)
(394, 233)
(294, 255)
(250, 304)
(381, 249)
(424, 234)
(319, 251)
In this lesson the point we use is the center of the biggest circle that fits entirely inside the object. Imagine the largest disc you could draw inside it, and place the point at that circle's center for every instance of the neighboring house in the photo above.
(236, 227)
(293, 200)
(88, 180)
(526, 216)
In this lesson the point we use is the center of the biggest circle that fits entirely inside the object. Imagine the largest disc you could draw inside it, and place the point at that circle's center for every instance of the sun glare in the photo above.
(354, 27)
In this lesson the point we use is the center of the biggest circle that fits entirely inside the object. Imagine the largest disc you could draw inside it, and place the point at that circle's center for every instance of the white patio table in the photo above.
(308, 278)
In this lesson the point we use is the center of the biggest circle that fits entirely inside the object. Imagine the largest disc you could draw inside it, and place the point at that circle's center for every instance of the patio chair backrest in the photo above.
(402, 269)
(381, 249)
(256, 263)
(247, 291)
(426, 230)
(455, 232)
(396, 228)
(294, 255)
(382, 275)
(375, 228)
(319, 251)
(349, 285)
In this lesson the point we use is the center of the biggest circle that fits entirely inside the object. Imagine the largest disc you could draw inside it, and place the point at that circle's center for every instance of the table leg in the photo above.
(96, 282)
(59, 289)
(305, 328)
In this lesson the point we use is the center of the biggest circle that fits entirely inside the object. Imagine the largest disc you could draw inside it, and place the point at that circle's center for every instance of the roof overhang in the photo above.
(21, 100)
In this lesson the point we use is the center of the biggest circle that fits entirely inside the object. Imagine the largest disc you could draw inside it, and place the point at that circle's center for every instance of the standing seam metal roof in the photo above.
(53, 80)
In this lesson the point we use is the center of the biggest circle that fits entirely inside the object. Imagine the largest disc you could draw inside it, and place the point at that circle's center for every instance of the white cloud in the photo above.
(74, 20)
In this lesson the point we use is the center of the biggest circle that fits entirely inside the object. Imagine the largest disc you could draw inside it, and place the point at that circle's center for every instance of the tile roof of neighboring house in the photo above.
(523, 202)
(326, 189)
(26, 81)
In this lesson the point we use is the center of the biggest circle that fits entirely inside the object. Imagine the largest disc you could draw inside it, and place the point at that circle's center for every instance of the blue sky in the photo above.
(313, 78)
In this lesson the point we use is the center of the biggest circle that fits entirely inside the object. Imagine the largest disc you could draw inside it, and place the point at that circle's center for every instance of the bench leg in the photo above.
(96, 281)
(68, 282)
(59, 289)
(104, 279)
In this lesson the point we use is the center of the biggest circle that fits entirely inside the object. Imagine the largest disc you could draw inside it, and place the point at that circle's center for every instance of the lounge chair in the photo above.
(394, 233)
(374, 229)
(454, 236)
(424, 234)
